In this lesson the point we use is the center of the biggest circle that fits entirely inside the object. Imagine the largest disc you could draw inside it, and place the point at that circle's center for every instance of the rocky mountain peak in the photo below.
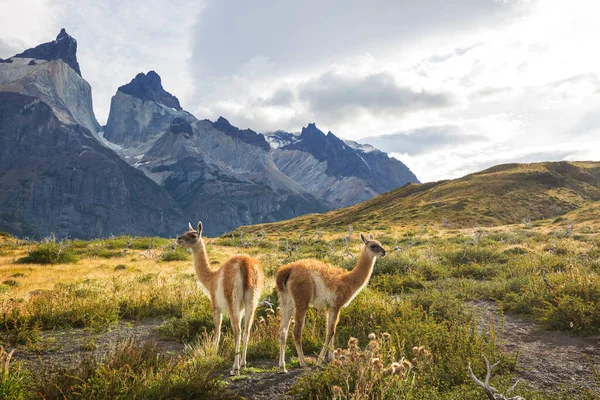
(311, 131)
(149, 87)
(63, 48)
(245, 135)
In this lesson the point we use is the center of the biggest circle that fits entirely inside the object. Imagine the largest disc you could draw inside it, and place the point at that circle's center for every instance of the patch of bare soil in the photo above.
(265, 385)
(548, 360)
(64, 347)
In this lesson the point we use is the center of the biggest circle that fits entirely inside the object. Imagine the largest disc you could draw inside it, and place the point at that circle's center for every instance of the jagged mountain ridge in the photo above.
(341, 172)
(55, 176)
(215, 171)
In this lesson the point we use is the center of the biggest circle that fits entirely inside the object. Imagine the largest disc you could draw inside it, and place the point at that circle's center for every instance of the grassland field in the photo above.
(417, 311)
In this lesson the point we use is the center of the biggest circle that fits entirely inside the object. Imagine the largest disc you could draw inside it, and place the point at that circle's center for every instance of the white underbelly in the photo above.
(220, 299)
(323, 297)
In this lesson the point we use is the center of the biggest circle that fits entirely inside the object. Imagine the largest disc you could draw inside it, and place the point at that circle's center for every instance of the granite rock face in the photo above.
(56, 177)
(340, 172)
(56, 84)
(140, 112)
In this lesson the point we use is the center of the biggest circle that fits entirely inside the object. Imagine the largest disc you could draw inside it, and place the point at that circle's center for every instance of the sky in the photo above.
(447, 87)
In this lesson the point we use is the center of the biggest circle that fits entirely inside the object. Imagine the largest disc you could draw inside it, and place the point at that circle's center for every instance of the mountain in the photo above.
(51, 73)
(218, 173)
(340, 172)
(140, 112)
(504, 194)
(55, 176)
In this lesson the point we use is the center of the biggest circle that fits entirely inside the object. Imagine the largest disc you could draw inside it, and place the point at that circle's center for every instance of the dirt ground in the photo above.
(548, 360)
(61, 348)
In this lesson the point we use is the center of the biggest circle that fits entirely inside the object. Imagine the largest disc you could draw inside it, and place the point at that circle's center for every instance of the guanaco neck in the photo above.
(362, 271)
(202, 264)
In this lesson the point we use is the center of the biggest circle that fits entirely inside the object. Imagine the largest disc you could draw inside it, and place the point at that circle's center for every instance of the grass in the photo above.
(415, 300)
(134, 370)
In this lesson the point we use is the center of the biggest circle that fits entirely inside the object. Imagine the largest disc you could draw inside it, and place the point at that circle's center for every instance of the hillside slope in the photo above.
(503, 194)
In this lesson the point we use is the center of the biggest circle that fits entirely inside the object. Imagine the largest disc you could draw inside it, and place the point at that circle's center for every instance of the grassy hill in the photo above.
(504, 194)
(588, 214)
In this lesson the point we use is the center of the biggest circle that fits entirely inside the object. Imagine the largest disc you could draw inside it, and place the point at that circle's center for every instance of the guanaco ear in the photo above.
(190, 226)
(362, 237)
(371, 236)
(200, 227)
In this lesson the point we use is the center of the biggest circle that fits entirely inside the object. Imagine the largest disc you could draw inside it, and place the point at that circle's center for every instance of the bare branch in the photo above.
(490, 391)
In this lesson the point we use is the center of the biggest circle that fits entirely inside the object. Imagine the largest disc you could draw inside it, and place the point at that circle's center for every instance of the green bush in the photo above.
(50, 253)
(177, 254)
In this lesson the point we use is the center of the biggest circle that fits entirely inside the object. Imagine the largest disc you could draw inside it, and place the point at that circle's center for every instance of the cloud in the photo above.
(454, 163)
(294, 34)
(9, 49)
(423, 140)
(459, 51)
(337, 96)
(487, 92)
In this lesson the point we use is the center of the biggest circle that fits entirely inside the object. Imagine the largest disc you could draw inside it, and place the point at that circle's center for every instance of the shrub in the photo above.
(177, 254)
(50, 253)
(517, 250)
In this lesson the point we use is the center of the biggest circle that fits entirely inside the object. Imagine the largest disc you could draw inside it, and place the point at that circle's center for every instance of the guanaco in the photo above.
(234, 289)
(311, 282)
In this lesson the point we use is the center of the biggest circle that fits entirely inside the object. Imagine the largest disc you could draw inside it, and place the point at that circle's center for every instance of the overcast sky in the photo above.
(447, 87)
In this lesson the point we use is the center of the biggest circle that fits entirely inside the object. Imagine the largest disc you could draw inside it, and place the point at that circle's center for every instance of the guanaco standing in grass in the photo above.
(311, 282)
(234, 289)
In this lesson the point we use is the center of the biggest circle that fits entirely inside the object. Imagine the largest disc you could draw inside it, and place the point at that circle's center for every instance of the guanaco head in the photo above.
(372, 246)
(191, 237)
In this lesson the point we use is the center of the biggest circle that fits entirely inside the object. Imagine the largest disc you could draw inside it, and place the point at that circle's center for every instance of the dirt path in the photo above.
(547, 359)
(265, 385)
